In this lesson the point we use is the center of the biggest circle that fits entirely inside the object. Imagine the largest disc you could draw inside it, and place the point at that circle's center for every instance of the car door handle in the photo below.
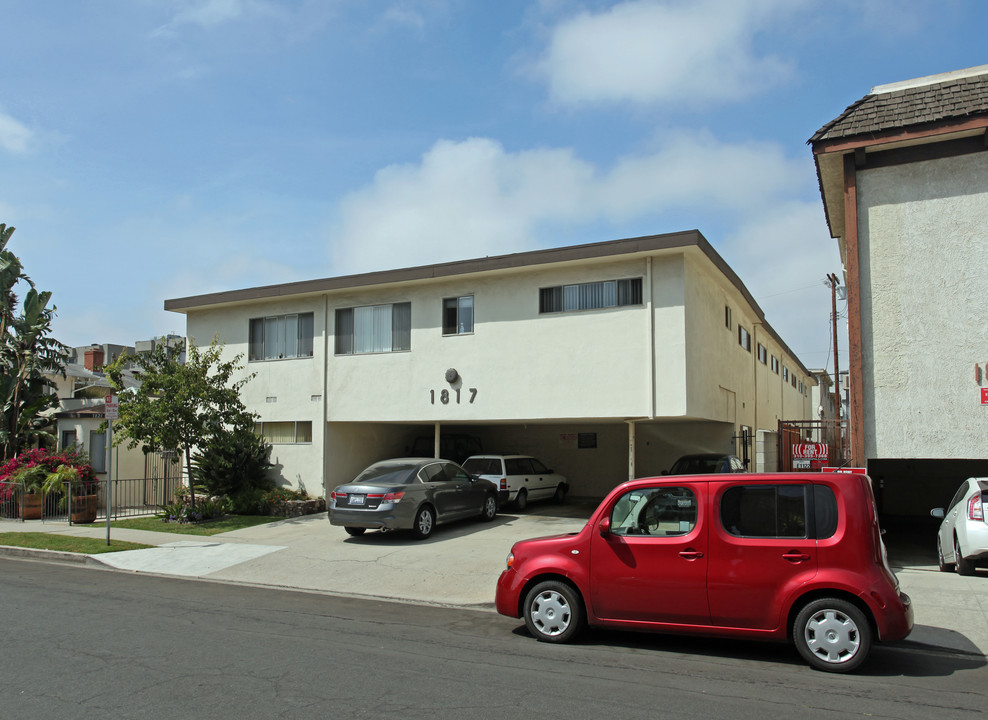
(795, 557)
(691, 554)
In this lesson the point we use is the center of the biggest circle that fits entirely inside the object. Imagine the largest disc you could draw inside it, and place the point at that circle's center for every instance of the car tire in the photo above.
(425, 522)
(964, 567)
(490, 509)
(521, 500)
(560, 495)
(941, 563)
(553, 612)
(832, 635)
(354, 531)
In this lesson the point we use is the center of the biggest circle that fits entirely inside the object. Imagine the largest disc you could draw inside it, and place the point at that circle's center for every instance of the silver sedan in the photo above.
(411, 494)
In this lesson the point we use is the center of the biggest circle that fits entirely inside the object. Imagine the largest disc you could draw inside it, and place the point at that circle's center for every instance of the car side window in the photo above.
(517, 466)
(764, 511)
(659, 511)
(538, 467)
(433, 473)
(958, 496)
(455, 472)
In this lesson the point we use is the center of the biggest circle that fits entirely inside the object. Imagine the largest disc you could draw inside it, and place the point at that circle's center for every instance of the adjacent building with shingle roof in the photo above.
(903, 175)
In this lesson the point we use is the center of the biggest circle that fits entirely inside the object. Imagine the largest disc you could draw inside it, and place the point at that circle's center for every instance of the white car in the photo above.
(962, 540)
(519, 478)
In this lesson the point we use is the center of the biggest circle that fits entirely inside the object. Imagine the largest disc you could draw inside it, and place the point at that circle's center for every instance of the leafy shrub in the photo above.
(249, 502)
(69, 461)
(234, 461)
(182, 511)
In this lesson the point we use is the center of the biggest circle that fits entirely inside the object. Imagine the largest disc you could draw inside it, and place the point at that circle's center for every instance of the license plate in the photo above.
(355, 499)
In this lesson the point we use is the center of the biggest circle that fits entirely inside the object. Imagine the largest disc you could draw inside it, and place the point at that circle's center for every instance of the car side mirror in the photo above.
(938, 513)
(604, 527)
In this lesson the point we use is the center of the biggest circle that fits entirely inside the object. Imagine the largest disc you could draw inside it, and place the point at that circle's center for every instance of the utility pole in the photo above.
(834, 282)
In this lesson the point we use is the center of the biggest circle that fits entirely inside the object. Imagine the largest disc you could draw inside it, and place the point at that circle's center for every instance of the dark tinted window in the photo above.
(765, 511)
(387, 474)
(538, 467)
(518, 466)
(824, 511)
(433, 473)
(698, 465)
(455, 472)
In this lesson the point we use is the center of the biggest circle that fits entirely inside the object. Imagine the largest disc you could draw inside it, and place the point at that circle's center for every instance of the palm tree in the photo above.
(28, 356)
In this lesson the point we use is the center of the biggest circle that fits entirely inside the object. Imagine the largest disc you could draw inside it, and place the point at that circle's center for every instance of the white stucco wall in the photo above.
(923, 235)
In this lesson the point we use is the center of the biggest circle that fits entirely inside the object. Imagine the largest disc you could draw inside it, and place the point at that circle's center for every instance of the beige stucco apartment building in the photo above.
(606, 361)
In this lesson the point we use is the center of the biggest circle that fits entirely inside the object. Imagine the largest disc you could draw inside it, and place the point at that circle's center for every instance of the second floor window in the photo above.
(458, 315)
(590, 296)
(281, 336)
(744, 338)
(374, 329)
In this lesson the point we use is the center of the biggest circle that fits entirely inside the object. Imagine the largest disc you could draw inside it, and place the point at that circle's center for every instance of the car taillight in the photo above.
(393, 497)
(504, 483)
(975, 509)
(337, 495)
(510, 561)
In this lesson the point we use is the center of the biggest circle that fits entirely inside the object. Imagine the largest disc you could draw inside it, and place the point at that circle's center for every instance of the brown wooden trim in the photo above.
(927, 151)
(899, 135)
(853, 279)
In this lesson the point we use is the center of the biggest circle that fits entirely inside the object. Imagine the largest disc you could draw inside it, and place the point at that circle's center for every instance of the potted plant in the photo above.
(32, 499)
(84, 500)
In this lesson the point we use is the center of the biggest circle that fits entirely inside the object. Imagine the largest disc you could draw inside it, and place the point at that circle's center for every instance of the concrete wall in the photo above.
(923, 233)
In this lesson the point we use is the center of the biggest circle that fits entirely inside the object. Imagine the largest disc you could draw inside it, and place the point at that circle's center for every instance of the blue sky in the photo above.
(153, 149)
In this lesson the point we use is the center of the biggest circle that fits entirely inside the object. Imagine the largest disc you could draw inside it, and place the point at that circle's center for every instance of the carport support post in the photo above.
(631, 449)
(435, 441)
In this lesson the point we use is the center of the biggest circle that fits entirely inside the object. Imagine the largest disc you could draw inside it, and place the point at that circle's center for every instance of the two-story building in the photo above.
(607, 361)
(904, 178)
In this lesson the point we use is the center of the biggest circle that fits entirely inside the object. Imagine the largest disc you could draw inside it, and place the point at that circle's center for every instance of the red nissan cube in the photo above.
(795, 557)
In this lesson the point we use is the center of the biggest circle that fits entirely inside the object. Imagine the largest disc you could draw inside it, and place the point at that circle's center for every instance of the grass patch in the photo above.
(208, 527)
(66, 543)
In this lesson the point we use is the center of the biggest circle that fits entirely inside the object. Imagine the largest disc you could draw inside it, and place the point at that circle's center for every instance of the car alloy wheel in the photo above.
(832, 635)
(490, 508)
(425, 522)
(521, 502)
(553, 612)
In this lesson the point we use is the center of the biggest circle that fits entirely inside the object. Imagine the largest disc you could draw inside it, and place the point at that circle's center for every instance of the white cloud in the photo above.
(474, 198)
(15, 137)
(672, 51)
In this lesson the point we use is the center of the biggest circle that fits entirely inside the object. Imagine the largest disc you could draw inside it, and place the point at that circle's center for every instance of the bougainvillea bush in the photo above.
(50, 461)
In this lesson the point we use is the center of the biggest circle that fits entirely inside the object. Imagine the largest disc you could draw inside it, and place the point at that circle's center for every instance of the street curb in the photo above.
(40, 554)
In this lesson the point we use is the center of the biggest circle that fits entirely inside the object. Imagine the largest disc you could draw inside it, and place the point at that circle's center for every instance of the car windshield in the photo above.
(697, 465)
(387, 474)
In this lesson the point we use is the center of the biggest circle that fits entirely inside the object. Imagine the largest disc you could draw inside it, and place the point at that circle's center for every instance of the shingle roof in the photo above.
(896, 109)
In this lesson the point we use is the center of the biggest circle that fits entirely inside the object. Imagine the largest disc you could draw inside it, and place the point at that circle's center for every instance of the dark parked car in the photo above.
(705, 463)
(411, 494)
(785, 556)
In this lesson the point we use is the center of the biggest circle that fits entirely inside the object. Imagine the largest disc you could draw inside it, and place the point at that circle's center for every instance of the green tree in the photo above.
(236, 461)
(29, 356)
(180, 406)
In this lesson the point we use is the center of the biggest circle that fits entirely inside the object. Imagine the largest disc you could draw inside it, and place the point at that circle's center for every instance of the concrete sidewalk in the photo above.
(459, 565)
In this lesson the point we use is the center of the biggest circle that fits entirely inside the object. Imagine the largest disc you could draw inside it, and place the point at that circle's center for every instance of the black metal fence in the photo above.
(128, 498)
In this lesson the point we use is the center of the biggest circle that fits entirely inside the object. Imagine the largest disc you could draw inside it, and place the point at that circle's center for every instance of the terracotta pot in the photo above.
(84, 509)
(32, 506)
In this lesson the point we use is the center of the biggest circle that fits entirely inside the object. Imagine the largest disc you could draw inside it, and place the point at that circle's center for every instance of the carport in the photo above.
(594, 454)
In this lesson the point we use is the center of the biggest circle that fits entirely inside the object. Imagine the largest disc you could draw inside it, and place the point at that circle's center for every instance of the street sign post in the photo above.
(111, 412)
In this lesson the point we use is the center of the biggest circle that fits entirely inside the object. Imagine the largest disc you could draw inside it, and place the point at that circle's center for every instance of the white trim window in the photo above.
(374, 329)
(277, 337)
(775, 365)
(762, 354)
(458, 315)
(590, 296)
(744, 338)
(285, 432)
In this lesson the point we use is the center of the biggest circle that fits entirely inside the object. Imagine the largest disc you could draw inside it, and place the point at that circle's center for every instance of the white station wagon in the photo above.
(519, 478)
